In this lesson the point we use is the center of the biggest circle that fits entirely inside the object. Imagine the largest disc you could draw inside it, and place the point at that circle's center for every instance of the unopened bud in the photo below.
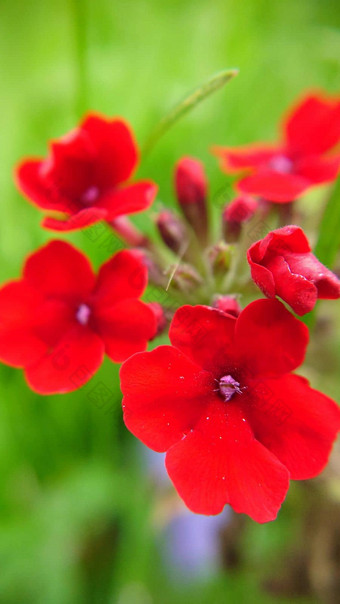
(228, 304)
(219, 257)
(155, 272)
(159, 315)
(236, 213)
(191, 190)
(185, 278)
(172, 230)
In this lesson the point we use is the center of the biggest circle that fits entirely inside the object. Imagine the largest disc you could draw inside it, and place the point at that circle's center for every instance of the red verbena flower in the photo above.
(59, 319)
(86, 176)
(237, 425)
(282, 265)
(282, 172)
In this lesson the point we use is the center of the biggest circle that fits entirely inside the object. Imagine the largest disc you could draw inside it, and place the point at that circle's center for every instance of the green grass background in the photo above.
(75, 506)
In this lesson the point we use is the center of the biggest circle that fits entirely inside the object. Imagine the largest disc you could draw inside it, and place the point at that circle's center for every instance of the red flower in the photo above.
(222, 401)
(86, 175)
(284, 171)
(282, 265)
(59, 319)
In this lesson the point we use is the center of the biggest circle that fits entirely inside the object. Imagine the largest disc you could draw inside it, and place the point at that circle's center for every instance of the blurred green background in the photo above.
(78, 520)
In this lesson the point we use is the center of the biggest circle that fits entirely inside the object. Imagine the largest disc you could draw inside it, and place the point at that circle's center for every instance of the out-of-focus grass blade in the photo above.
(328, 242)
(194, 98)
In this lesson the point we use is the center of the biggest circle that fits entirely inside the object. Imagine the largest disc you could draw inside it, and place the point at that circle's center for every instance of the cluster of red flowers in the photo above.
(221, 400)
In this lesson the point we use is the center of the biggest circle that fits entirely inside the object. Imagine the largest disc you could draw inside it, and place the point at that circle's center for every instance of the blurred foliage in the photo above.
(76, 511)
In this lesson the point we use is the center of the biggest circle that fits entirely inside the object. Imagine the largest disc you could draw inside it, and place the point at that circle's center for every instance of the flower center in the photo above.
(83, 314)
(281, 164)
(90, 196)
(228, 387)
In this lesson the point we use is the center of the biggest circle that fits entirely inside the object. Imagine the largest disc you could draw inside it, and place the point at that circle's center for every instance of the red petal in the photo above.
(31, 182)
(126, 328)
(19, 344)
(317, 169)
(313, 126)
(117, 152)
(272, 186)
(67, 367)
(123, 276)
(60, 270)
(260, 274)
(128, 200)
(79, 220)
(288, 238)
(164, 396)
(249, 156)
(269, 338)
(295, 422)
(220, 462)
(300, 293)
(206, 335)
(69, 167)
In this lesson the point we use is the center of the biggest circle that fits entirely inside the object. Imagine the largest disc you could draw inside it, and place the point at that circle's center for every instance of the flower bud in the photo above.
(228, 304)
(191, 191)
(235, 213)
(185, 278)
(172, 230)
(219, 257)
(160, 317)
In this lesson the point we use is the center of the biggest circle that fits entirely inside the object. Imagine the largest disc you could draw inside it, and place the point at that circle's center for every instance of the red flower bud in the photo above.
(160, 317)
(172, 230)
(228, 304)
(235, 213)
(282, 265)
(191, 191)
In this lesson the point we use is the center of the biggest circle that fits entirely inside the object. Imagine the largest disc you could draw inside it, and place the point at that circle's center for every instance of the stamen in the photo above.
(83, 314)
(90, 195)
(228, 387)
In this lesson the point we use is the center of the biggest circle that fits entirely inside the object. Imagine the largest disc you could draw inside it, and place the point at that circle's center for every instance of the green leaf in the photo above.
(187, 104)
(328, 242)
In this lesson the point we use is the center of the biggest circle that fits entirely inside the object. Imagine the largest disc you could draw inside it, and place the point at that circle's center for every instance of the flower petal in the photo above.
(164, 395)
(69, 365)
(273, 186)
(123, 276)
(294, 288)
(220, 462)
(128, 200)
(318, 169)
(116, 149)
(269, 338)
(19, 344)
(59, 270)
(126, 328)
(31, 182)
(295, 422)
(205, 335)
(249, 156)
(79, 220)
(313, 126)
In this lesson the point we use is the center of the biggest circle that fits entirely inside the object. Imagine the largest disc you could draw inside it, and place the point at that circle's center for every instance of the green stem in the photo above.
(194, 98)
